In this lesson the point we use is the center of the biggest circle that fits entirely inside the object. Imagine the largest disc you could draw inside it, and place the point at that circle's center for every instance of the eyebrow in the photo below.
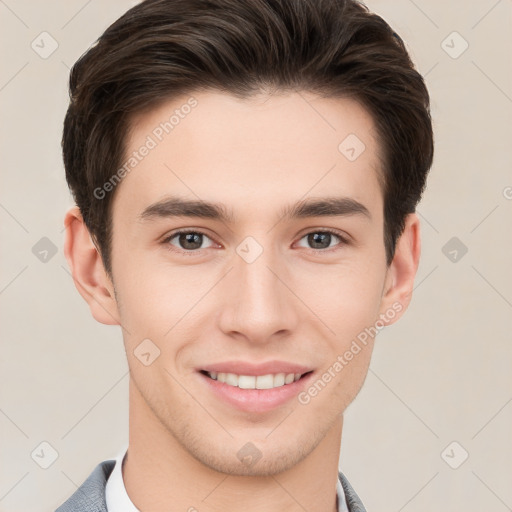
(312, 207)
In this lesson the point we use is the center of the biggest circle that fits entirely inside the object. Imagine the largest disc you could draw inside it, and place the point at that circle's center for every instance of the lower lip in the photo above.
(256, 400)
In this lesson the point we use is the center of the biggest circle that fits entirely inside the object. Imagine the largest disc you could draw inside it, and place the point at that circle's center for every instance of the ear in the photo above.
(89, 275)
(399, 282)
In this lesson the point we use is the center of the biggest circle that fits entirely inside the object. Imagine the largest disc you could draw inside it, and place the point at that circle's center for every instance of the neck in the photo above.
(161, 475)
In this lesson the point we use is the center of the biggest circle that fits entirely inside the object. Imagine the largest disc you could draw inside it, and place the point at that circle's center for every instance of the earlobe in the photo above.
(401, 272)
(88, 271)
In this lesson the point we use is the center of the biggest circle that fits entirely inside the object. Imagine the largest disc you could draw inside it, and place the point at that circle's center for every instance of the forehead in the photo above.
(259, 152)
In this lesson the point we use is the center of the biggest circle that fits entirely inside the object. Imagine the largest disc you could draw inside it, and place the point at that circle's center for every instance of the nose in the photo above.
(258, 303)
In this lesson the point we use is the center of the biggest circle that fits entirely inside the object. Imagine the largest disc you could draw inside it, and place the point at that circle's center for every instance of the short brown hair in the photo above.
(161, 49)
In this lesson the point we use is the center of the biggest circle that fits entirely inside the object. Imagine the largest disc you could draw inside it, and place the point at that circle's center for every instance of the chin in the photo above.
(242, 456)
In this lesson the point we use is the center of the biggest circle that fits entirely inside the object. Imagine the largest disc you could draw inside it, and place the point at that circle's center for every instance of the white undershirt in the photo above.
(118, 500)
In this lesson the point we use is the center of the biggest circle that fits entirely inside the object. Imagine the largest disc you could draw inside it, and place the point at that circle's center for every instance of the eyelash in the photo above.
(343, 241)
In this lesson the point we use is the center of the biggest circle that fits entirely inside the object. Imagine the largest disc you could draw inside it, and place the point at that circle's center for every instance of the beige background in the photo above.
(442, 374)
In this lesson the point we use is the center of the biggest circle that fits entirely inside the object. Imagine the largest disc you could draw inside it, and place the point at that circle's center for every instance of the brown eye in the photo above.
(187, 240)
(318, 240)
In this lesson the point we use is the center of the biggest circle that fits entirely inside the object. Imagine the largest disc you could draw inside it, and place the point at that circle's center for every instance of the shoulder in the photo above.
(90, 496)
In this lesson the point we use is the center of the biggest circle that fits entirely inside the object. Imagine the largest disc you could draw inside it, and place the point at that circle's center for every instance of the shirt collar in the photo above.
(115, 492)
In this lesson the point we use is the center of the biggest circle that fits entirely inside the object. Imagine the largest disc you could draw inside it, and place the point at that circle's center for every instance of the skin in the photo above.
(292, 303)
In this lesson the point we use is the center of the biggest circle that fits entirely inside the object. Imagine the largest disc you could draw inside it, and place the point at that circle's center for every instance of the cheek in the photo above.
(346, 297)
(157, 301)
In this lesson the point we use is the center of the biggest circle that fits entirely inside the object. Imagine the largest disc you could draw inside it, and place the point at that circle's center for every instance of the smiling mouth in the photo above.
(268, 381)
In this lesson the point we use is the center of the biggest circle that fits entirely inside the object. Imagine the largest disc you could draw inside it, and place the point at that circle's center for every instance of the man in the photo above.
(246, 174)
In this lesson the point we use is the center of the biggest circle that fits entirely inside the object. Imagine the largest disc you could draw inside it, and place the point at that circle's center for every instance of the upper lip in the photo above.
(248, 368)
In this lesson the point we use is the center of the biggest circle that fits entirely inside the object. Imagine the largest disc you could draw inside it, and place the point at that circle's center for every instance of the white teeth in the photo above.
(279, 379)
(231, 379)
(268, 381)
(265, 381)
(244, 381)
(289, 378)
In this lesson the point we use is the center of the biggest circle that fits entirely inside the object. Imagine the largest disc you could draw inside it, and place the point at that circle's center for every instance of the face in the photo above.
(282, 273)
